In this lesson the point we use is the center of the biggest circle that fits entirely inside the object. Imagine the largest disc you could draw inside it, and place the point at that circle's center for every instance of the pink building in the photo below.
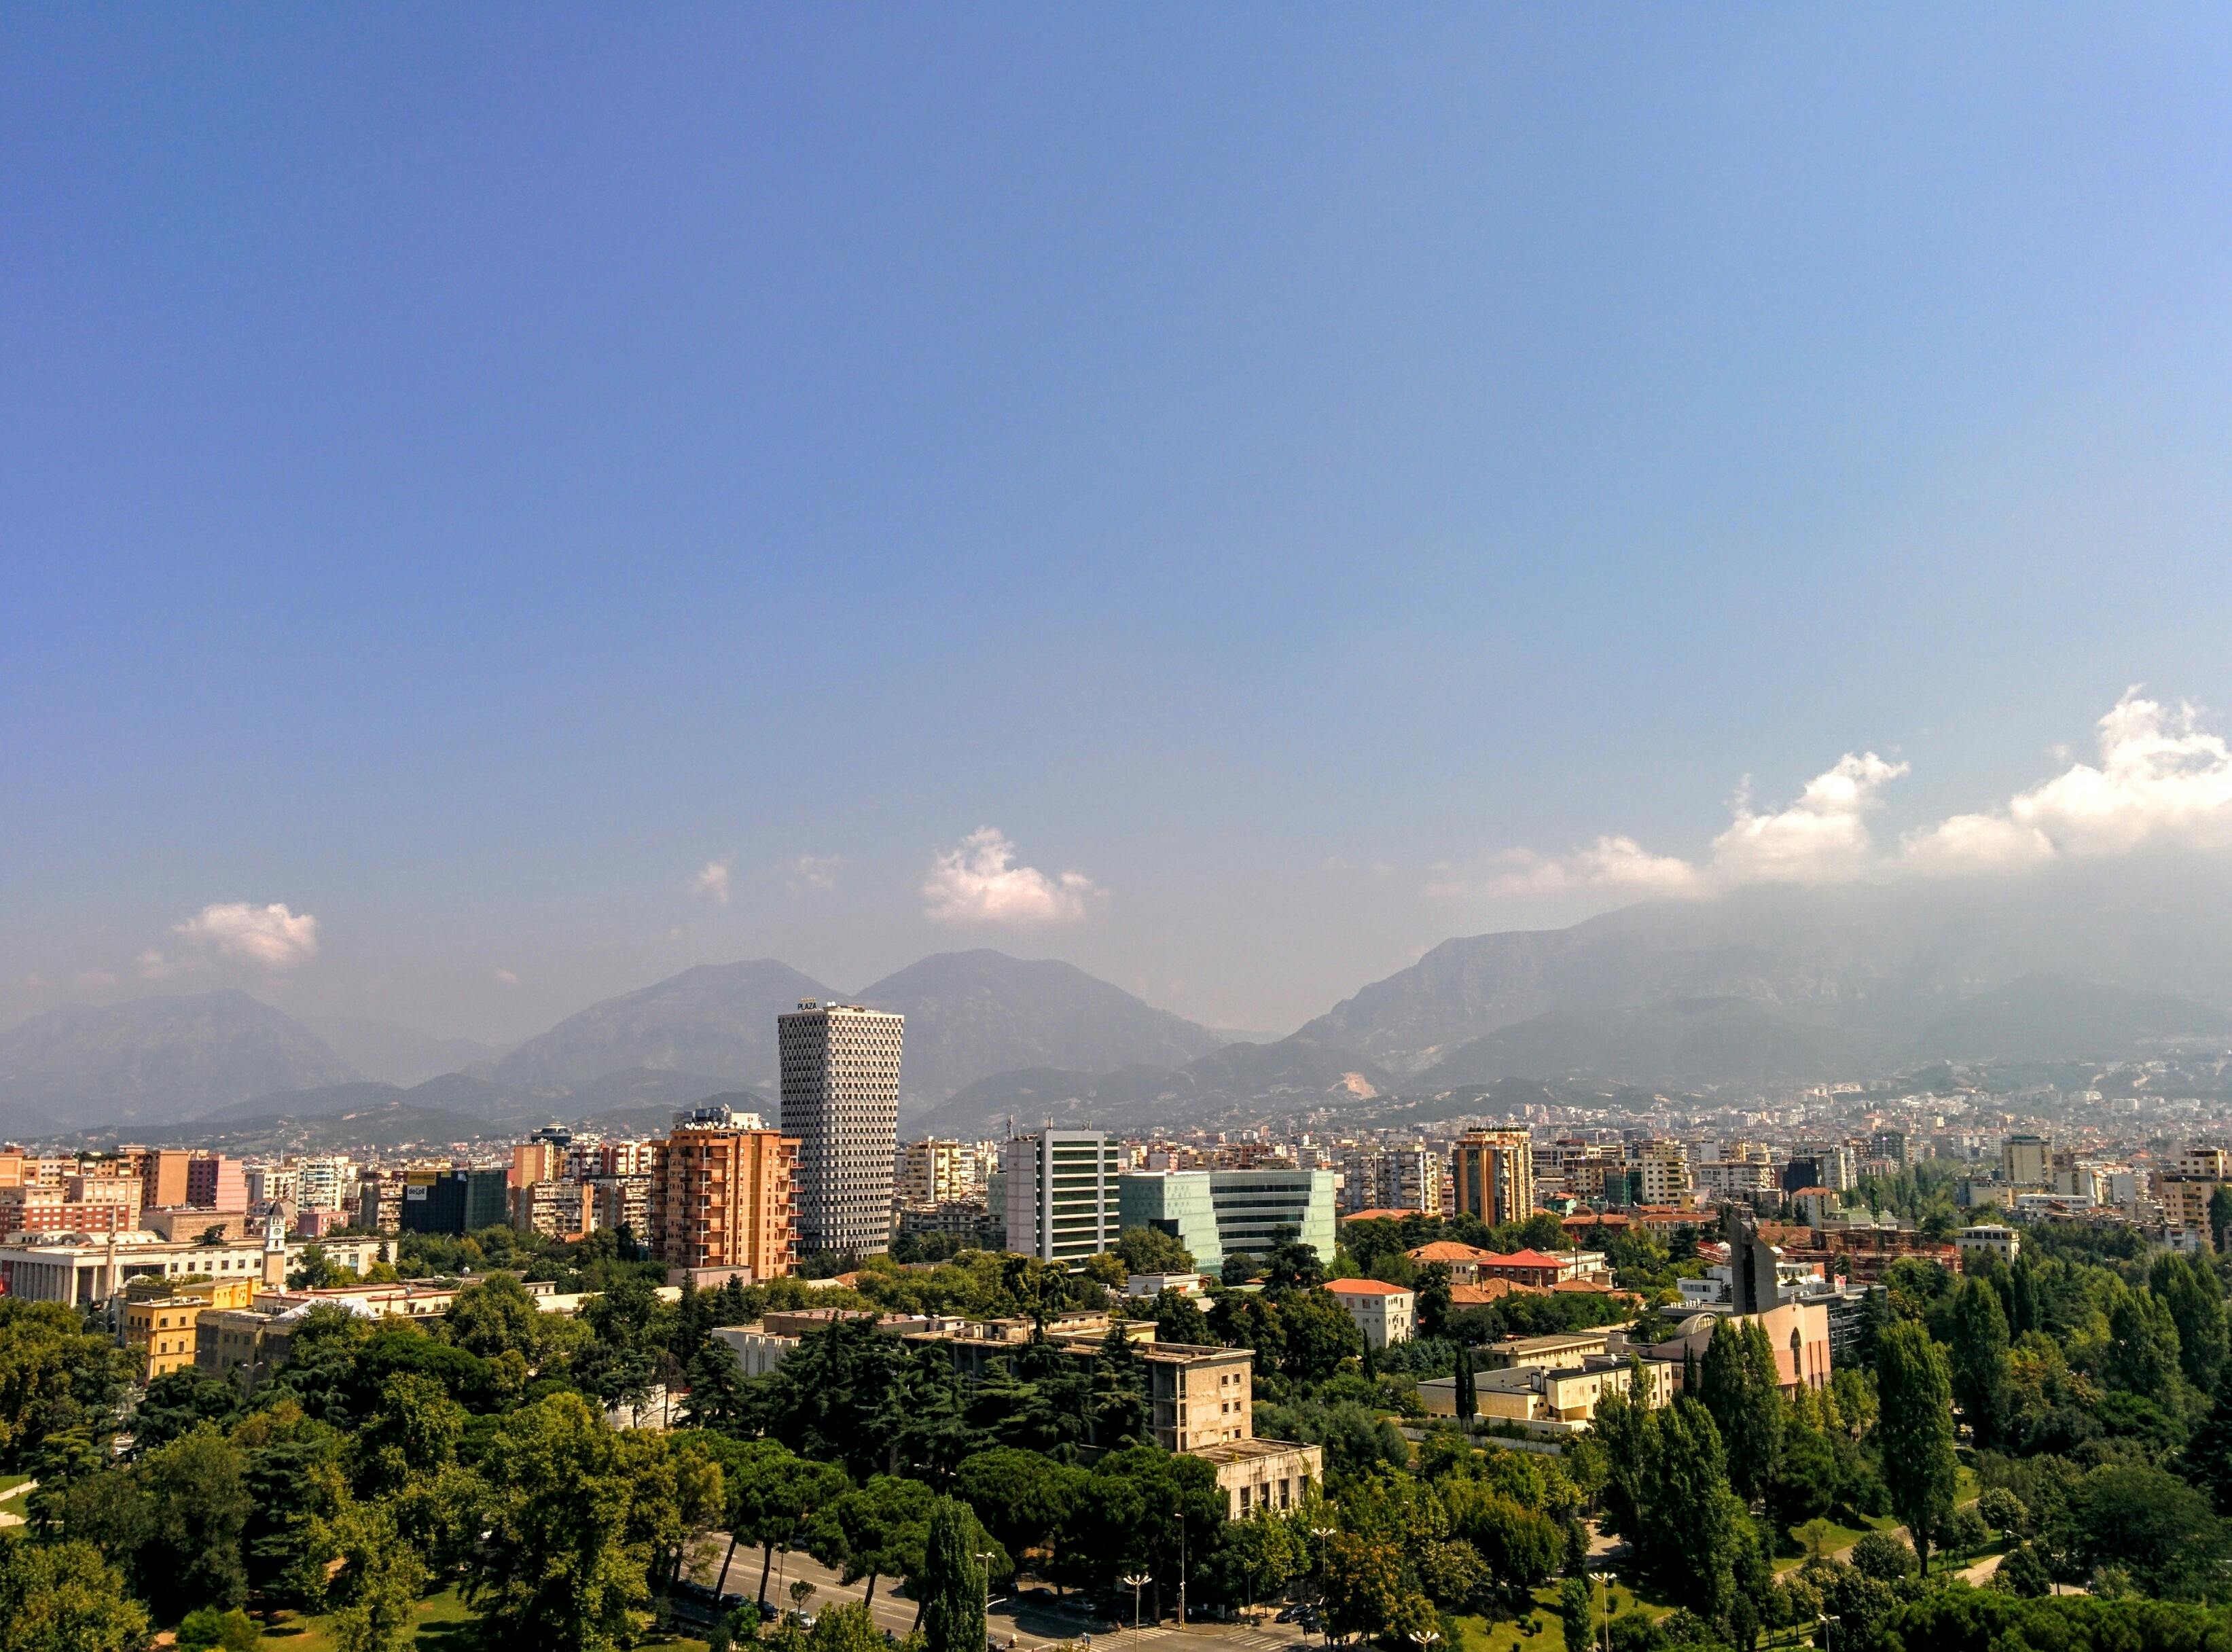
(216, 1182)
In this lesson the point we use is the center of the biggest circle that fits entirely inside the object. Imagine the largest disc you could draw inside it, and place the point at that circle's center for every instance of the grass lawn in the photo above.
(444, 1624)
(1509, 1635)
(9, 1483)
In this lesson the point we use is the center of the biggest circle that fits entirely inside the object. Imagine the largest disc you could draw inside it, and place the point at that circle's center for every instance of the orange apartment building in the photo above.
(722, 1195)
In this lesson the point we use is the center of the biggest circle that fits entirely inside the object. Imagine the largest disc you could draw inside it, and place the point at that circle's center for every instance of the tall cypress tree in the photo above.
(1468, 1397)
(1914, 1427)
(952, 1580)
(1979, 1356)
(1739, 1385)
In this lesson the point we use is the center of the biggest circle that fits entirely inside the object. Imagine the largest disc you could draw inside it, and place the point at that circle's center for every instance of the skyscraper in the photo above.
(841, 1101)
(1494, 1173)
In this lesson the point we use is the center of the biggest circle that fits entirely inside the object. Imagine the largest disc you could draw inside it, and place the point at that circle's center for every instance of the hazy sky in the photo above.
(497, 505)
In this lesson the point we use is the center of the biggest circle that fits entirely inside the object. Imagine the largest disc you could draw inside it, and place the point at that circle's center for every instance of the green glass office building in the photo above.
(1215, 1213)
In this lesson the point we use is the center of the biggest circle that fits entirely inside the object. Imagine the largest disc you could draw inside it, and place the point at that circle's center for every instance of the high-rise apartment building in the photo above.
(840, 1103)
(1493, 1175)
(721, 1194)
(163, 1176)
(1059, 1186)
(933, 1172)
(326, 1181)
(215, 1183)
(2026, 1161)
(1660, 1171)
(269, 1183)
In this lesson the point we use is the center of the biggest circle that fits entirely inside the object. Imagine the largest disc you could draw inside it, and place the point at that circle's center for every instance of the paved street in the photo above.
(1033, 1623)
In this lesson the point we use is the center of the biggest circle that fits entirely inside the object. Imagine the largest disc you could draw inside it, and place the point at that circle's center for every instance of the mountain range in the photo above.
(1759, 988)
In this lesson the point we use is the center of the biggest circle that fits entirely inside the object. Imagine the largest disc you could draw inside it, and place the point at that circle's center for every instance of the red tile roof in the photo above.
(1384, 1216)
(1365, 1287)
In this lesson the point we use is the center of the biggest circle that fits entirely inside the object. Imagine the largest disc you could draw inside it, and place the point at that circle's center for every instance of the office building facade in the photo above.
(840, 1103)
(1060, 1189)
(1216, 1214)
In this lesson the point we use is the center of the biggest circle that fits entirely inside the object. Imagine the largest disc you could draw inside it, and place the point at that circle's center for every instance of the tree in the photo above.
(415, 1432)
(1292, 1266)
(1698, 1514)
(1021, 1497)
(1739, 1385)
(1467, 1398)
(64, 1597)
(2188, 1287)
(377, 1584)
(829, 1400)
(2024, 1573)
(1120, 1404)
(875, 1532)
(54, 1376)
(1978, 1356)
(2149, 1523)
(1258, 1556)
(496, 1317)
(291, 1471)
(1178, 1318)
(1363, 1585)
(1434, 1298)
(575, 1513)
(849, 1626)
(1318, 1332)
(1914, 1429)
(1240, 1268)
(1884, 1557)
(2142, 1353)
(1150, 1250)
(2220, 1217)
(771, 1493)
(952, 1585)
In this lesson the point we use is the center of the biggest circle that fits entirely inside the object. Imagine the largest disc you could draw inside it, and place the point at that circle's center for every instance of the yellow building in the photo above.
(159, 1325)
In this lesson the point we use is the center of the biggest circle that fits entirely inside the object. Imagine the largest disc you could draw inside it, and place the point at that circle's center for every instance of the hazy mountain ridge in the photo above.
(158, 1058)
(1775, 984)
(972, 1014)
(715, 1019)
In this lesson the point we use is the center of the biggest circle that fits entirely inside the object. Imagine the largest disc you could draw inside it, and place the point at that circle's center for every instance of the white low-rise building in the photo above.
(1384, 1313)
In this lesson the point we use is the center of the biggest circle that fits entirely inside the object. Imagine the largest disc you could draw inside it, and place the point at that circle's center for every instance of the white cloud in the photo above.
(1609, 863)
(270, 936)
(812, 874)
(505, 978)
(2161, 780)
(1820, 838)
(713, 881)
(977, 882)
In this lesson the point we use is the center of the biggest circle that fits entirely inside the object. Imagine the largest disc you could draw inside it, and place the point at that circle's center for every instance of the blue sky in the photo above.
(466, 472)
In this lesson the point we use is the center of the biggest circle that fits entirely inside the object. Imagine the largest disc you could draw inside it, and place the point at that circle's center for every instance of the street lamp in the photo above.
(1828, 1621)
(1321, 1532)
(1135, 1581)
(1604, 1615)
(984, 1560)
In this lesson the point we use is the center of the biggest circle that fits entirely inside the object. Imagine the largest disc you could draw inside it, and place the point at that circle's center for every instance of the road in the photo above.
(1033, 1624)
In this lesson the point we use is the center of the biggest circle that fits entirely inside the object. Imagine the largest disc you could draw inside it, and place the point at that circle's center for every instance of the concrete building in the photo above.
(159, 1321)
(1214, 1213)
(559, 1209)
(1384, 1313)
(269, 1183)
(1660, 1172)
(1492, 1175)
(2026, 1161)
(1561, 1396)
(1061, 1189)
(326, 1181)
(455, 1201)
(82, 1274)
(215, 1183)
(721, 1194)
(1988, 1239)
(840, 1102)
(932, 1172)
(163, 1175)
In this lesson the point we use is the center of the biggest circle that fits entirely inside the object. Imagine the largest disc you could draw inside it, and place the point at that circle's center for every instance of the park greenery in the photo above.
(2069, 1416)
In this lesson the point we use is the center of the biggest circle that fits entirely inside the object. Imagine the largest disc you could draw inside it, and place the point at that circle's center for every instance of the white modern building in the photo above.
(1060, 1189)
(841, 1099)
